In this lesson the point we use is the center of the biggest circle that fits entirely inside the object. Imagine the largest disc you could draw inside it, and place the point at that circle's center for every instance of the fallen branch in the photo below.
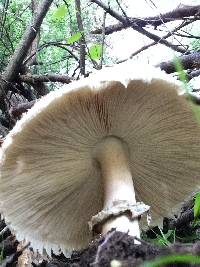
(190, 61)
(45, 78)
(137, 28)
(145, 47)
(180, 13)
(17, 111)
(193, 74)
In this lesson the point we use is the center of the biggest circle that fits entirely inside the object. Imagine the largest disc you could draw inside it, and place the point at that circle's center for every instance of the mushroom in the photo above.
(88, 151)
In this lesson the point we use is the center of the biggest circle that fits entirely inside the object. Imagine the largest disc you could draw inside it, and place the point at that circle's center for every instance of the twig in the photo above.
(57, 44)
(193, 74)
(45, 78)
(103, 39)
(164, 23)
(145, 47)
(183, 12)
(6, 227)
(190, 61)
(82, 39)
(17, 111)
(14, 257)
(142, 241)
(138, 28)
(101, 247)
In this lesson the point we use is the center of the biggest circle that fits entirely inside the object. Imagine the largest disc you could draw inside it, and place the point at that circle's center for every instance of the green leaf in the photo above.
(60, 12)
(178, 258)
(95, 51)
(181, 73)
(164, 239)
(197, 205)
(74, 38)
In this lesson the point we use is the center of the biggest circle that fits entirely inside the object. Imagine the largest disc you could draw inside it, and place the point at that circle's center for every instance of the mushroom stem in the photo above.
(113, 157)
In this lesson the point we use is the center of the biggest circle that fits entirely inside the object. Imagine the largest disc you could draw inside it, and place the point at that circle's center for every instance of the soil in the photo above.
(117, 246)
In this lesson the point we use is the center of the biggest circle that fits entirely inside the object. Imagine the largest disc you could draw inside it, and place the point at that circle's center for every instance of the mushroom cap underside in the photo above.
(50, 182)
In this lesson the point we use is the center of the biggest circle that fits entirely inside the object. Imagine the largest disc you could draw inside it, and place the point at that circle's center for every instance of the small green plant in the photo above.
(165, 239)
(169, 259)
(196, 209)
(162, 239)
(181, 73)
(183, 78)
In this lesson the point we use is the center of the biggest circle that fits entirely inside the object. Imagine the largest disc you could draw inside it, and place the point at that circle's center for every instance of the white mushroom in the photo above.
(96, 146)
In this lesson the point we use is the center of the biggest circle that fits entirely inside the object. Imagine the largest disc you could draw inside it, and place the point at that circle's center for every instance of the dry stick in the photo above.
(57, 44)
(145, 47)
(7, 35)
(40, 88)
(10, 260)
(103, 39)
(138, 28)
(46, 78)
(26, 258)
(82, 39)
(187, 35)
(21, 108)
(177, 14)
(193, 74)
(3, 17)
(20, 53)
(190, 61)
(164, 23)
(6, 227)
(101, 246)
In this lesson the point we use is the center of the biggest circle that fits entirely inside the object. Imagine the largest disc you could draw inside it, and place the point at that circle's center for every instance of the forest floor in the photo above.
(177, 244)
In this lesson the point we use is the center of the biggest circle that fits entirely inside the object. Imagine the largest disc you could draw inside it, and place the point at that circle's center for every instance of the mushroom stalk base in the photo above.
(113, 157)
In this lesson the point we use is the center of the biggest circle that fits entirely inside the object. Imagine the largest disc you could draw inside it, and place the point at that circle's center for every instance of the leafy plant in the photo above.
(163, 239)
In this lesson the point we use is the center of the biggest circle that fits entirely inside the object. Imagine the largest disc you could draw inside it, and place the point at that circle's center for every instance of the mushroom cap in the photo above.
(50, 185)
